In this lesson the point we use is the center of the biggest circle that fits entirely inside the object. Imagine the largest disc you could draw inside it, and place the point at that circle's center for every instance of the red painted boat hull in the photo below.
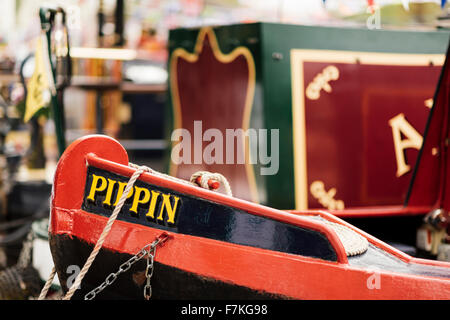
(237, 264)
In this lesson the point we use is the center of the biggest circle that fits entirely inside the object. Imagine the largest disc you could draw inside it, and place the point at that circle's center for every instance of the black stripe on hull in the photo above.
(167, 283)
(203, 218)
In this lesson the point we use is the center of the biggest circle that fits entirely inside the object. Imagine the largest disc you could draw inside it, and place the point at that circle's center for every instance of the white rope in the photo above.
(47, 285)
(162, 174)
(105, 233)
(205, 177)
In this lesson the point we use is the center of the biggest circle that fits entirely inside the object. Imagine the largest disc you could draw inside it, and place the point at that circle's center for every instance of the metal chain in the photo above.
(149, 273)
(150, 251)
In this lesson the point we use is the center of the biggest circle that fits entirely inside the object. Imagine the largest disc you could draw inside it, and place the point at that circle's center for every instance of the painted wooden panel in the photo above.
(350, 106)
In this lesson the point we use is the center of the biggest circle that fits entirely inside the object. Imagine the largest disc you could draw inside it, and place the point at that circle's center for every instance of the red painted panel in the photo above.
(349, 141)
(213, 92)
(70, 175)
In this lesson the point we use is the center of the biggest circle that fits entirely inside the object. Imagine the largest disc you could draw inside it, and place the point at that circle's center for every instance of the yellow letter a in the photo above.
(414, 140)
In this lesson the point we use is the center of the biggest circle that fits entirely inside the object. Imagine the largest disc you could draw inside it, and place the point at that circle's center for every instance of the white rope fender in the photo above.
(354, 243)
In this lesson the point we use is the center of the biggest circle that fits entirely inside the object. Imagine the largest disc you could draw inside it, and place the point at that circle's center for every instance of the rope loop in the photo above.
(211, 181)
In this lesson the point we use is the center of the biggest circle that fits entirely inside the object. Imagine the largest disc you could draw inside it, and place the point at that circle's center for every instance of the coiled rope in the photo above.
(22, 280)
(354, 243)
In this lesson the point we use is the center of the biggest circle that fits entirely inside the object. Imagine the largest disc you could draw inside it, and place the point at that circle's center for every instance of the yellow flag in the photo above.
(41, 85)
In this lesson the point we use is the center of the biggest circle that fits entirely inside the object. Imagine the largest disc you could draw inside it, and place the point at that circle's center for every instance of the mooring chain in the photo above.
(149, 272)
(150, 251)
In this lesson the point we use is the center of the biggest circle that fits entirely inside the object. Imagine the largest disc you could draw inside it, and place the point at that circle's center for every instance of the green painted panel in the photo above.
(270, 45)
